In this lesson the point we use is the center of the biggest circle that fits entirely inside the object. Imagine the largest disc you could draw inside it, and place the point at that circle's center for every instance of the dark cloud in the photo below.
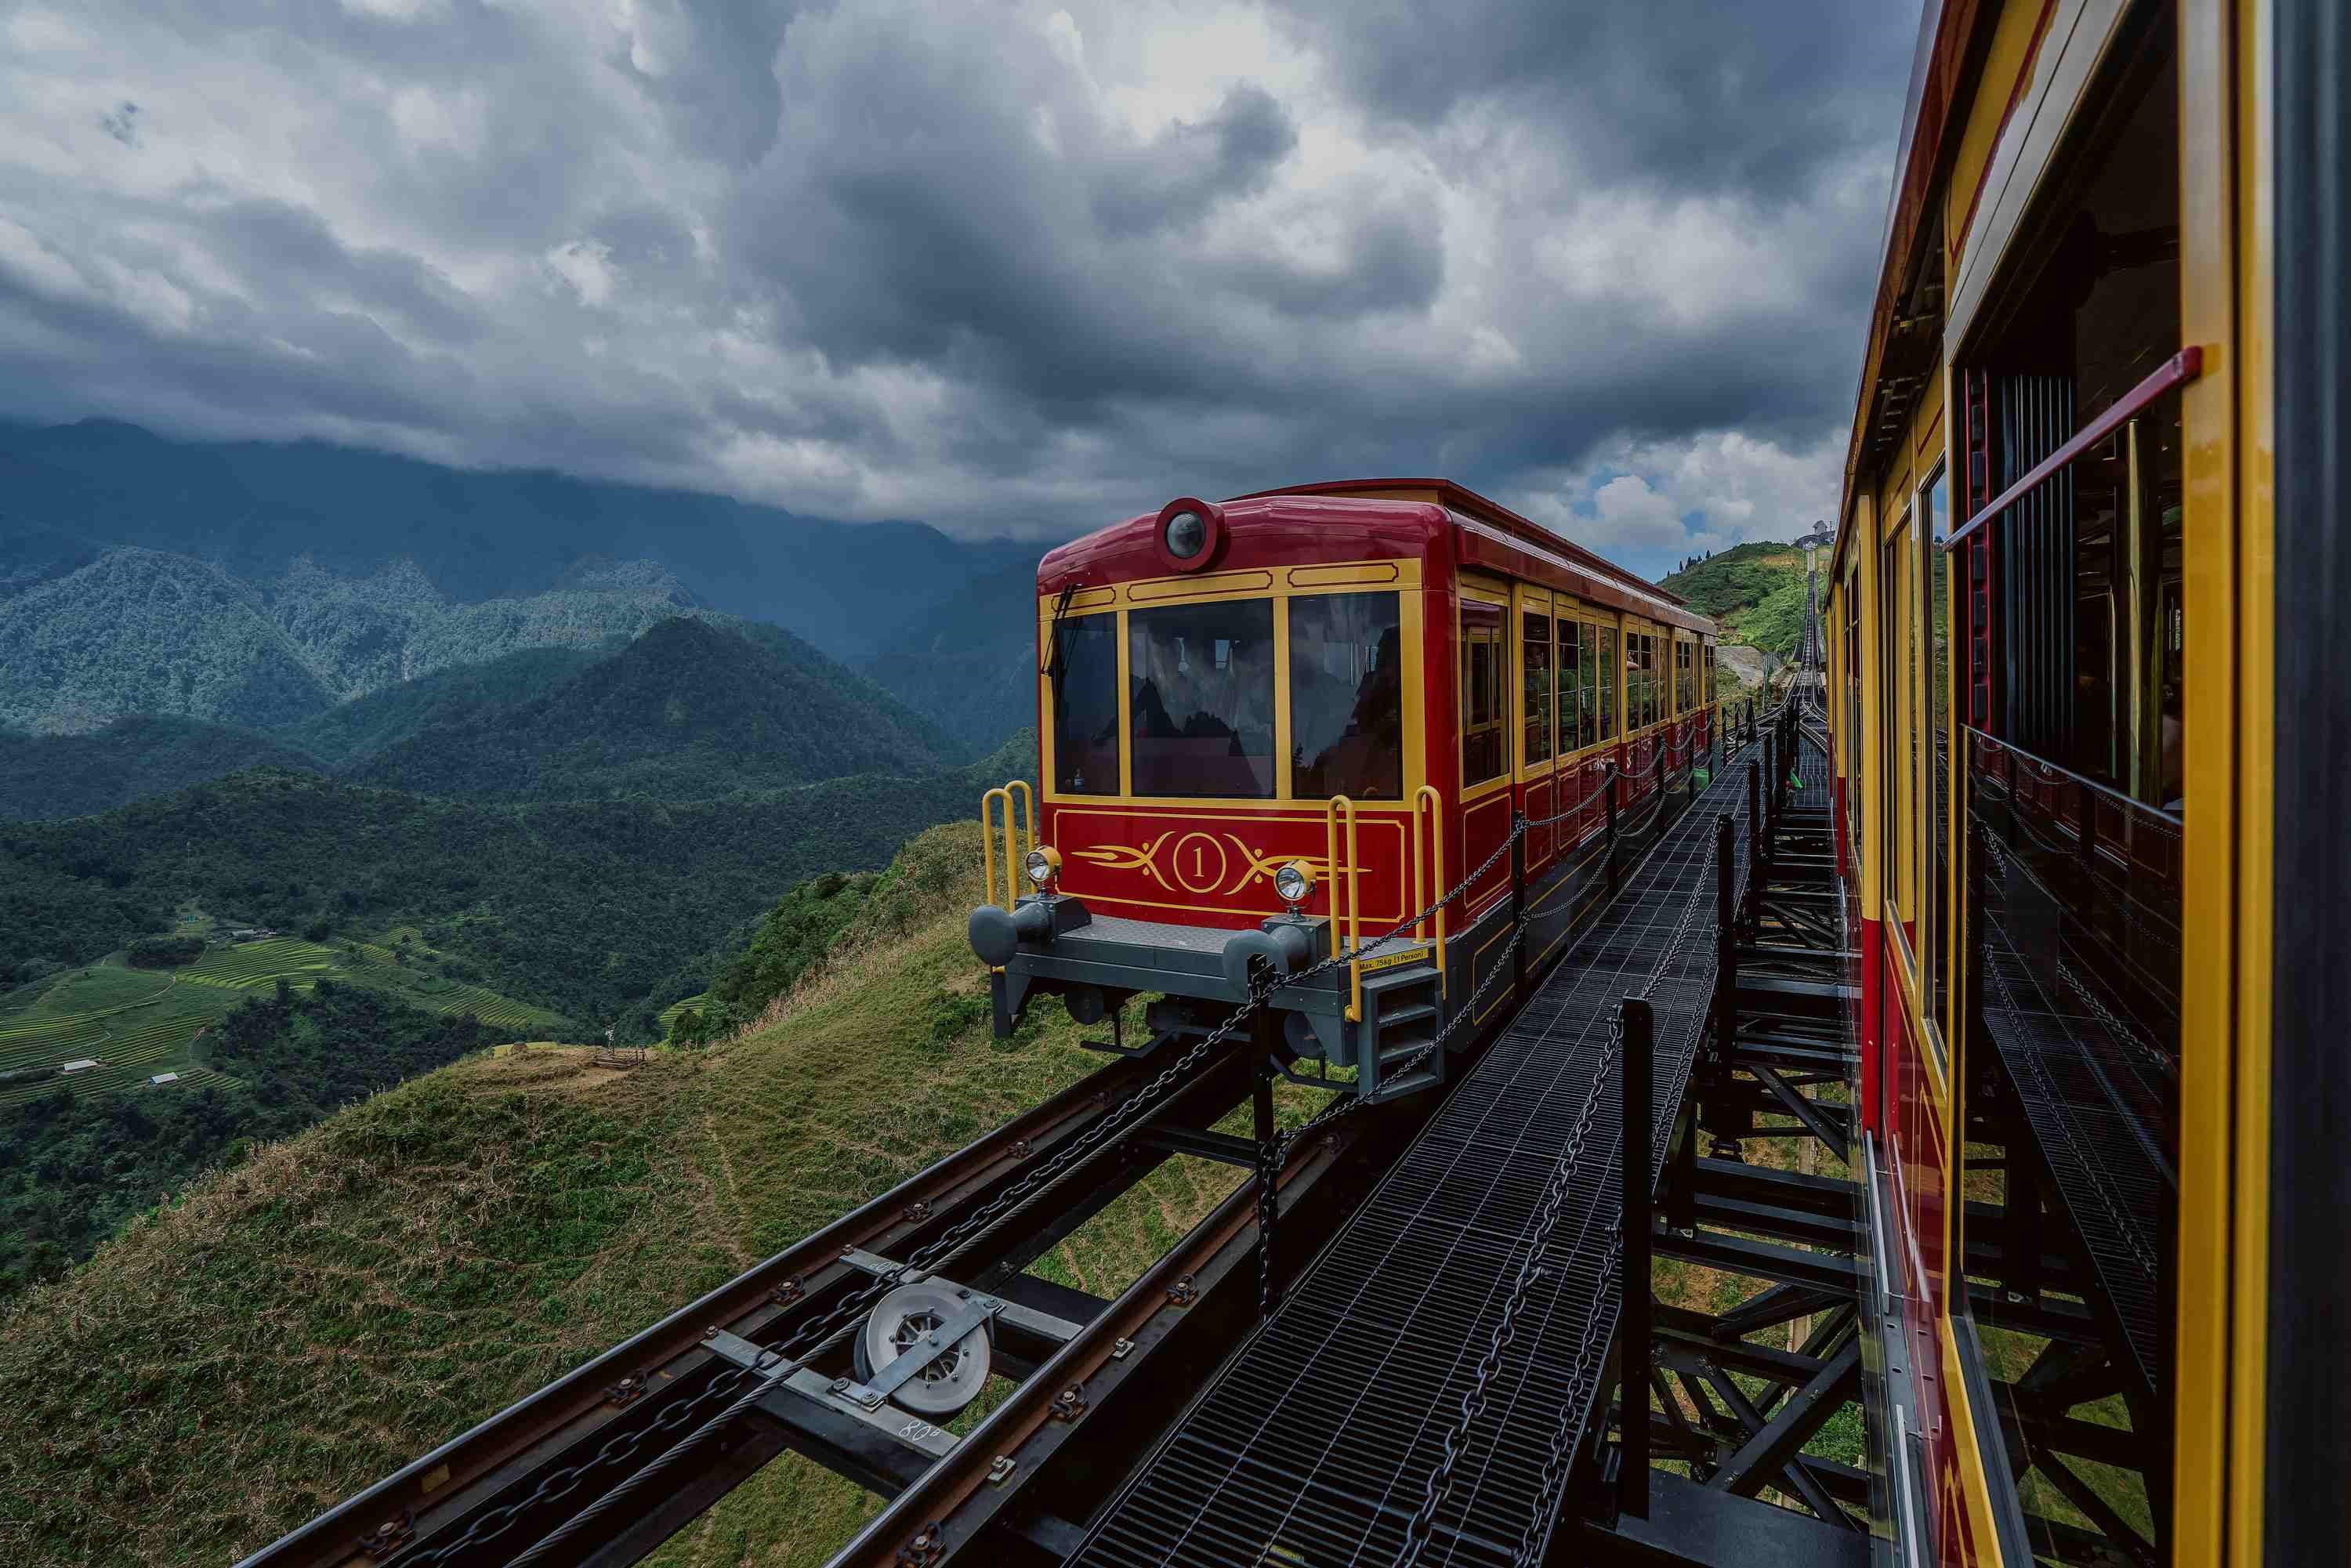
(999, 267)
(1755, 97)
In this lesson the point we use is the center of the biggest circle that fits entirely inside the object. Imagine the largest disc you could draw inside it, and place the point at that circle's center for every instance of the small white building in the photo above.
(164, 1078)
(82, 1066)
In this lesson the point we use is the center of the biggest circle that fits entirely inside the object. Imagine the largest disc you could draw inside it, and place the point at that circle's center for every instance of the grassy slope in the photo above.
(1756, 590)
(306, 1323)
(140, 1022)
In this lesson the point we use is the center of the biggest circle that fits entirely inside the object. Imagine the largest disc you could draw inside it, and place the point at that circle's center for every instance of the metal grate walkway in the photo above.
(1313, 1445)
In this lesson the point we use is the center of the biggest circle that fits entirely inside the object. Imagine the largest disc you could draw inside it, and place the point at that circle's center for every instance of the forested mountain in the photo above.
(584, 907)
(348, 735)
(691, 710)
(252, 508)
(138, 631)
(968, 663)
(142, 632)
(685, 712)
(130, 759)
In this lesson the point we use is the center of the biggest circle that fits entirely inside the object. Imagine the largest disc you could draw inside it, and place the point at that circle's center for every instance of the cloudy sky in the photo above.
(1006, 268)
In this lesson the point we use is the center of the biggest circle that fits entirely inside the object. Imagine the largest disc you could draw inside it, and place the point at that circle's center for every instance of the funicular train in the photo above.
(2087, 723)
(1278, 726)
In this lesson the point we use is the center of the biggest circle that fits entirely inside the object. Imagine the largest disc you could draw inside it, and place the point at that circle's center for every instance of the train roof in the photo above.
(1369, 519)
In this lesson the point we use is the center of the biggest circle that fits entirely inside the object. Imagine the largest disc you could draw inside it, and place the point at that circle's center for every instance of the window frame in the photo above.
(1498, 598)
(1527, 603)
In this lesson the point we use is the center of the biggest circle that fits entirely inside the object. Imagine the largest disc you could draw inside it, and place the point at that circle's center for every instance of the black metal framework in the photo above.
(2306, 1449)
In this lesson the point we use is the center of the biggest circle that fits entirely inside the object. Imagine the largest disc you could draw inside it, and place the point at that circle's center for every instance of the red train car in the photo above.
(1278, 728)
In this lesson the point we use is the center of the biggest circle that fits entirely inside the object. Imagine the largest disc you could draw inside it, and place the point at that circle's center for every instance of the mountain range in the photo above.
(69, 493)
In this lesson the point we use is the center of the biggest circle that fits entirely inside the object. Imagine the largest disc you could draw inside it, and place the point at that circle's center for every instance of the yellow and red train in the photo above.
(2088, 739)
(1304, 713)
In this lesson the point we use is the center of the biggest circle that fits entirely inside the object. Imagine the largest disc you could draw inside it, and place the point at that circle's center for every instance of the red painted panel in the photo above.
(1197, 867)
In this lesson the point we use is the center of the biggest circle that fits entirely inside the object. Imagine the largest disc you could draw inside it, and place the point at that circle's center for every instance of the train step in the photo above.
(1403, 1009)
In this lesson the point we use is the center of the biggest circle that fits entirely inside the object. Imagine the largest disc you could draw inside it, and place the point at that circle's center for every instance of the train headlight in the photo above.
(1186, 535)
(1043, 864)
(1189, 531)
(1294, 883)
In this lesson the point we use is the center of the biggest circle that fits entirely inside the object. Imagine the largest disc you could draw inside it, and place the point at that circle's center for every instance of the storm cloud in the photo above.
(1003, 267)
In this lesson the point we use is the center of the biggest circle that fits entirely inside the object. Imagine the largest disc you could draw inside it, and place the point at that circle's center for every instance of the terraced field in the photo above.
(134, 1022)
(137, 1023)
(669, 1014)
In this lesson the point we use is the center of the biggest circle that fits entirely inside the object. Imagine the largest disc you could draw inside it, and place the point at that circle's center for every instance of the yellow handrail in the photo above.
(1427, 804)
(1012, 838)
(1343, 875)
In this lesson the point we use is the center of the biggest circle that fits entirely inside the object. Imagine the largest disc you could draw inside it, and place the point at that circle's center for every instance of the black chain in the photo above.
(812, 1339)
(1273, 1154)
(1421, 1526)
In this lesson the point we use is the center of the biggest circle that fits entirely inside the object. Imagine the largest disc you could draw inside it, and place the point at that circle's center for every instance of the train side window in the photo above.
(1604, 666)
(1535, 685)
(1935, 918)
(1649, 681)
(1347, 697)
(1085, 705)
(1899, 667)
(1484, 708)
(1588, 727)
(1572, 703)
(1200, 699)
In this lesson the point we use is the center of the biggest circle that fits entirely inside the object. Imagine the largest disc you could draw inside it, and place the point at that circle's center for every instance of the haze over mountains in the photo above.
(68, 492)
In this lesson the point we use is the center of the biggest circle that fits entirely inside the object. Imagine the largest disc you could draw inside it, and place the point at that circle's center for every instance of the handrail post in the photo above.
(1342, 875)
(1611, 827)
(1637, 1096)
(1428, 795)
(1519, 902)
(1725, 968)
(1755, 836)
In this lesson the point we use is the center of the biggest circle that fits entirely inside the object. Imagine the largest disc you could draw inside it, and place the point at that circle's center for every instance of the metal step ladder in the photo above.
(1403, 1009)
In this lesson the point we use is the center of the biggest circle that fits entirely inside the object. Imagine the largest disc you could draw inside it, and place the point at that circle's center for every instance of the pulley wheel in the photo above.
(897, 1322)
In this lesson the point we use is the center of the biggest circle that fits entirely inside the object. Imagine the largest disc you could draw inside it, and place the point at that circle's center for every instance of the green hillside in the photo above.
(583, 907)
(968, 662)
(142, 631)
(685, 712)
(374, 1286)
(348, 735)
(76, 1160)
(1755, 590)
(147, 631)
(136, 1024)
(51, 776)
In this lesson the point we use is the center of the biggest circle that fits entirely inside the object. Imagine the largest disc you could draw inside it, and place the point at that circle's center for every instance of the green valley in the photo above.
(466, 1237)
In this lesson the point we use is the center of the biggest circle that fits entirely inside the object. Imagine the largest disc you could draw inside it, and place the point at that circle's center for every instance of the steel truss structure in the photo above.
(1734, 1041)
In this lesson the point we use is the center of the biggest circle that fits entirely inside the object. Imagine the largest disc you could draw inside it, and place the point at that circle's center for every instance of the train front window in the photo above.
(1347, 697)
(1200, 699)
(1085, 705)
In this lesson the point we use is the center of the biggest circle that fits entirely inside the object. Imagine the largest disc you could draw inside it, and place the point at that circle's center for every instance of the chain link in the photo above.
(814, 1338)
(1582, 1369)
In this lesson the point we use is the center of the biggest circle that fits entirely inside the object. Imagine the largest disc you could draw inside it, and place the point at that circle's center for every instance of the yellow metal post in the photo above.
(1428, 806)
